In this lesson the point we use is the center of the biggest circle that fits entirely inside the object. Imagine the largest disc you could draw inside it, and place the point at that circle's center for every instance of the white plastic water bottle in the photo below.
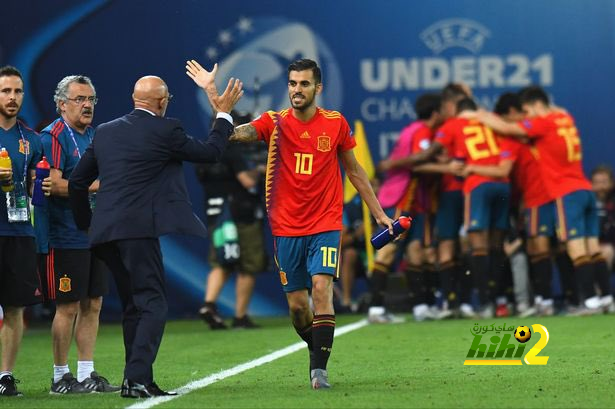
(17, 204)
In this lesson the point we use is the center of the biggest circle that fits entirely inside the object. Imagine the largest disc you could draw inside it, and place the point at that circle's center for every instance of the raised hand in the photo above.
(232, 94)
(206, 80)
(202, 77)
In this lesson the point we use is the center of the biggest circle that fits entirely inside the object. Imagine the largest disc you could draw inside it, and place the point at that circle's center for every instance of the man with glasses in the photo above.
(76, 278)
(133, 212)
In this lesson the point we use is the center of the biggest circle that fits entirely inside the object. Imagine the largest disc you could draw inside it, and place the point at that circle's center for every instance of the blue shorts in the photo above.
(577, 215)
(540, 220)
(422, 229)
(449, 216)
(300, 258)
(487, 207)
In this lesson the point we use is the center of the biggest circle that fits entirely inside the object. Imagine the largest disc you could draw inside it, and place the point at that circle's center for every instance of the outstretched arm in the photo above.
(496, 123)
(360, 181)
(412, 160)
(501, 170)
(244, 133)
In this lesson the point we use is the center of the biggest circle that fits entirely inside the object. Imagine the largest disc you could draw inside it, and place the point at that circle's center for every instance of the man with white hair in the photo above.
(78, 279)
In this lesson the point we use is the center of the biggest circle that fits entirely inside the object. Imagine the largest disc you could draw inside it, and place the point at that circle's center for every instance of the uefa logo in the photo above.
(258, 51)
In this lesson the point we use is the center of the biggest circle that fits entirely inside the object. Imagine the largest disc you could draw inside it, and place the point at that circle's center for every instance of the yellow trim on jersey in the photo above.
(272, 157)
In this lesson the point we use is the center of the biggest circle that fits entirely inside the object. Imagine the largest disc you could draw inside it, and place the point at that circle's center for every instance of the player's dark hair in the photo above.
(453, 91)
(533, 93)
(466, 104)
(306, 64)
(506, 102)
(427, 104)
(10, 71)
(603, 168)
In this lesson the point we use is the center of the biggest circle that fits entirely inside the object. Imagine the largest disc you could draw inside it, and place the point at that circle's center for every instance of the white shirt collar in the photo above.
(147, 110)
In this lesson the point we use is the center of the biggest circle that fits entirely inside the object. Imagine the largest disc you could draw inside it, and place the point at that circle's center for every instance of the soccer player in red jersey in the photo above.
(487, 195)
(538, 208)
(557, 142)
(304, 203)
(405, 192)
(449, 213)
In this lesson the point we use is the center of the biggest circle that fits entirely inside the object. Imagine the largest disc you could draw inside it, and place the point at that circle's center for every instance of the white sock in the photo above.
(5, 373)
(84, 369)
(59, 371)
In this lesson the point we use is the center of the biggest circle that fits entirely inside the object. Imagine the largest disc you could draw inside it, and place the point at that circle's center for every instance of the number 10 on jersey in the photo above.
(303, 163)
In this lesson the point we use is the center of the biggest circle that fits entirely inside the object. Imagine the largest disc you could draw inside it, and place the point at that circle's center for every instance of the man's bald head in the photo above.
(151, 93)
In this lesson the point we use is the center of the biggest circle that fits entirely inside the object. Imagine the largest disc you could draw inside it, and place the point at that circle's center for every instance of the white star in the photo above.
(225, 37)
(211, 53)
(244, 25)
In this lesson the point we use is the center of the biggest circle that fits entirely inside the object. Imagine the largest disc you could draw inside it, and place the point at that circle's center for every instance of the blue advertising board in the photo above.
(376, 56)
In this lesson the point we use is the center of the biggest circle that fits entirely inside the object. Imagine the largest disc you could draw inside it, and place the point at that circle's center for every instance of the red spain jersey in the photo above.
(419, 197)
(526, 175)
(476, 144)
(303, 189)
(559, 152)
(445, 138)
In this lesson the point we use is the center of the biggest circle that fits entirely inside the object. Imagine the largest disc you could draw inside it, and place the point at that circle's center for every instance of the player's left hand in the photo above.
(385, 221)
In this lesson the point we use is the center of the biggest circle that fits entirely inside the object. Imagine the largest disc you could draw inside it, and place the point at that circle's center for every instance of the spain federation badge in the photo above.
(324, 143)
(24, 148)
(64, 284)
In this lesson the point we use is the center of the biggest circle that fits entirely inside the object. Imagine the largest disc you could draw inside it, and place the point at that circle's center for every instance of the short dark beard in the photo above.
(6, 115)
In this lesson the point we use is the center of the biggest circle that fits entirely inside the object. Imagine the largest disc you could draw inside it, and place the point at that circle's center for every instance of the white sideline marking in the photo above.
(218, 376)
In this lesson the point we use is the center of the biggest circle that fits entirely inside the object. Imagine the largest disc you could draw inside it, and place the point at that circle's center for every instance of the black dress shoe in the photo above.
(132, 389)
(154, 390)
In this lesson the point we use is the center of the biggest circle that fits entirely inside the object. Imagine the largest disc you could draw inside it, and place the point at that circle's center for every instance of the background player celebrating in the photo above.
(487, 193)
(304, 202)
(559, 151)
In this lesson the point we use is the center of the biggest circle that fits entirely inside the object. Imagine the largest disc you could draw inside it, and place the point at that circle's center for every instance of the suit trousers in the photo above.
(136, 265)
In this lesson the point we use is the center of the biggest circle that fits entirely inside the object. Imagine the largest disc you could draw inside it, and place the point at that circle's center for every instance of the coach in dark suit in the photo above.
(143, 195)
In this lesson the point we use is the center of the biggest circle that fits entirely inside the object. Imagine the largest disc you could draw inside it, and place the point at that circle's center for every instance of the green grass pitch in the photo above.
(377, 366)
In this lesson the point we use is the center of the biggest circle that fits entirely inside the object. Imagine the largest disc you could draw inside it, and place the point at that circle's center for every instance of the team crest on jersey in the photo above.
(324, 143)
(65, 286)
(283, 278)
(24, 148)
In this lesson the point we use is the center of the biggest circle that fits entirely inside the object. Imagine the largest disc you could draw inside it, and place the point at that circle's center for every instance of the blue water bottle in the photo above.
(42, 172)
(383, 237)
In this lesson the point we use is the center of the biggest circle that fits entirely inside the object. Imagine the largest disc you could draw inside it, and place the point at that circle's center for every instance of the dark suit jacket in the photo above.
(138, 160)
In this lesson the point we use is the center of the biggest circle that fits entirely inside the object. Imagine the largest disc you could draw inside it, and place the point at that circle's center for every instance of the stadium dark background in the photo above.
(377, 58)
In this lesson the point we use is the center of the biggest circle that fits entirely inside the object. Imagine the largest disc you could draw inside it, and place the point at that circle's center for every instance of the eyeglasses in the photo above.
(80, 100)
(168, 97)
